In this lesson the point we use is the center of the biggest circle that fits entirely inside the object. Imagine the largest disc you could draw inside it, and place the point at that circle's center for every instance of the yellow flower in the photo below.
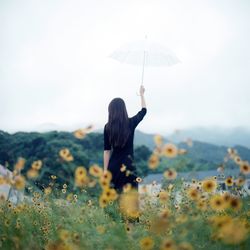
(219, 221)
(240, 181)
(158, 139)
(7, 223)
(3, 198)
(217, 202)
(128, 172)
(64, 235)
(245, 167)
(92, 183)
(226, 197)
(129, 203)
(170, 150)
(32, 173)
(123, 168)
(185, 246)
(76, 237)
(80, 133)
(70, 197)
(48, 190)
(229, 181)
(138, 179)
(168, 244)
(100, 229)
(36, 165)
(182, 151)
(234, 232)
(237, 159)
(157, 151)
(235, 203)
(193, 193)
(81, 178)
(107, 176)
(202, 205)
(103, 201)
(159, 225)
(209, 185)
(153, 161)
(104, 183)
(232, 152)
(20, 164)
(127, 187)
(66, 155)
(19, 182)
(163, 196)
(146, 243)
(164, 213)
(2, 180)
(81, 181)
(170, 174)
(110, 193)
(80, 172)
(60, 245)
(95, 170)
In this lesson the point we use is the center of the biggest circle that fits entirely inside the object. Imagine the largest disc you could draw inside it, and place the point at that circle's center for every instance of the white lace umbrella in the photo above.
(146, 54)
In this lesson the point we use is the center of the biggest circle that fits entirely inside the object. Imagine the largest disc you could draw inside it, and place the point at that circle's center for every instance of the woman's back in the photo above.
(128, 148)
(119, 139)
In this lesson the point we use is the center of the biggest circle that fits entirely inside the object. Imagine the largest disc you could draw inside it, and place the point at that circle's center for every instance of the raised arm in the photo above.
(139, 116)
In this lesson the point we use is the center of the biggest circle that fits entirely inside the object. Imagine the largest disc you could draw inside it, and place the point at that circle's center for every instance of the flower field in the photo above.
(90, 214)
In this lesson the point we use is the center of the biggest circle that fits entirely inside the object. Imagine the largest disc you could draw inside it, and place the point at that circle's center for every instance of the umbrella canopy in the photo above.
(145, 53)
(149, 53)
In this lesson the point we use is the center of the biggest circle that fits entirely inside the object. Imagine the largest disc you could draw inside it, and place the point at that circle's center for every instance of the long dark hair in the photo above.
(118, 123)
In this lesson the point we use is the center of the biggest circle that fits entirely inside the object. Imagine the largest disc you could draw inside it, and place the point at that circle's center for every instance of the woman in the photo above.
(119, 137)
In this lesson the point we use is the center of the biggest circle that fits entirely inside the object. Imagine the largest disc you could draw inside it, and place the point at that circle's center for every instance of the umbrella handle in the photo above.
(143, 65)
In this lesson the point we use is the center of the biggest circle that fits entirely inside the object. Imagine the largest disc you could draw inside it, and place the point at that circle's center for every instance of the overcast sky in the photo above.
(55, 70)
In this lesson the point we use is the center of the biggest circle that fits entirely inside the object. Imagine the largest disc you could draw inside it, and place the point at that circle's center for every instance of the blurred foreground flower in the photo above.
(129, 203)
(170, 174)
(36, 165)
(209, 185)
(95, 170)
(234, 232)
(82, 132)
(153, 161)
(146, 243)
(158, 139)
(19, 182)
(170, 150)
(245, 167)
(20, 164)
(32, 173)
(66, 155)
(81, 178)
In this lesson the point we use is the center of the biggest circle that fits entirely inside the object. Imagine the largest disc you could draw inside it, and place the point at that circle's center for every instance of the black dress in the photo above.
(124, 156)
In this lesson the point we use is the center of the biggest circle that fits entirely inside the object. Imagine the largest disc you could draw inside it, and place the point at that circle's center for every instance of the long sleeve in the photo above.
(107, 145)
(138, 117)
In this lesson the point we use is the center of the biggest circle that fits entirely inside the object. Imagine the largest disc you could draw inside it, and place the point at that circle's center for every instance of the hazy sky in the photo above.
(55, 70)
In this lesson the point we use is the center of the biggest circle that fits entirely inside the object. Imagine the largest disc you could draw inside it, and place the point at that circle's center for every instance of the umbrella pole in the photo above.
(143, 65)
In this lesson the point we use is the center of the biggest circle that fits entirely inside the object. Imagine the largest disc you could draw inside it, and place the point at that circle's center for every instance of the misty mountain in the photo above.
(218, 136)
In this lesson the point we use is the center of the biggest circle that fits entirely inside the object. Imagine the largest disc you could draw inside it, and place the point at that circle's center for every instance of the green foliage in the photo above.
(46, 147)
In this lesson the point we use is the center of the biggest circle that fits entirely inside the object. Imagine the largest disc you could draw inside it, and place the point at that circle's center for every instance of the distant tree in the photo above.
(141, 156)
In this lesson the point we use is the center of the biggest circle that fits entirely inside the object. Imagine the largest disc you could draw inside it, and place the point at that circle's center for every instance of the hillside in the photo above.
(46, 146)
